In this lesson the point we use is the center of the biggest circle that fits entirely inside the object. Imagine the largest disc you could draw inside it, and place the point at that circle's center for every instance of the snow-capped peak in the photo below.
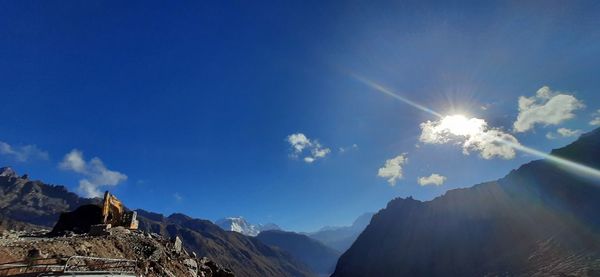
(240, 225)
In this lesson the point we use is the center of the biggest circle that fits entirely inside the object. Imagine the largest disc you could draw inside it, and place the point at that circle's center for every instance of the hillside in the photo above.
(539, 220)
(246, 256)
(154, 256)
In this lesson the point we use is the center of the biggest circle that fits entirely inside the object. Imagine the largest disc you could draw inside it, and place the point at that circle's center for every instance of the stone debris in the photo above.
(177, 244)
(155, 255)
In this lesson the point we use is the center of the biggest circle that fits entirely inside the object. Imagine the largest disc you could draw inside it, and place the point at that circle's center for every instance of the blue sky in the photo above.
(193, 102)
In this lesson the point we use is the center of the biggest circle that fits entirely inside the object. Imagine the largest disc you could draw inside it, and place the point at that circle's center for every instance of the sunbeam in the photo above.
(382, 89)
(564, 163)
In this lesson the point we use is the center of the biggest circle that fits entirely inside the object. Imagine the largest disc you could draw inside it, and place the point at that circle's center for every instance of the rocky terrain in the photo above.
(155, 255)
(539, 220)
(32, 205)
(26, 203)
(246, 256)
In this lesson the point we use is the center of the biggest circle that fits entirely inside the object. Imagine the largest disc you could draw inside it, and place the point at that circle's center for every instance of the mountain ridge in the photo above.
(241, 225)
(33, 205)
(538, 220)
(317, 256)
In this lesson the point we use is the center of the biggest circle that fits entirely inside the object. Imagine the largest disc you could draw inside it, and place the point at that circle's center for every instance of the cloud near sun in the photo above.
(547, 107)
(473, 134)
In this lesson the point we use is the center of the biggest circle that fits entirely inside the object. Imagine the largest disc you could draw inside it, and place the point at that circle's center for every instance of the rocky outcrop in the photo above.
(539, 220)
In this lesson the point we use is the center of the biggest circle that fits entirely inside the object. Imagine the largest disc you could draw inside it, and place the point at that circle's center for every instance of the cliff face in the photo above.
(538, 220)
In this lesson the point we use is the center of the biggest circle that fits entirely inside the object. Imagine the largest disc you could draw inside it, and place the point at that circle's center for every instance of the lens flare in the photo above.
(382, 89)
(460, 125)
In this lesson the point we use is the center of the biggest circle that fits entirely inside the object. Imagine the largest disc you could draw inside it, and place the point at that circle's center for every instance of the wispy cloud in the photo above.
(95, 173)
(547, 107)
(23, 153)
(596, 120)
(563, 132)
(349, 148)
(312, 150)
(392, 169)
(433, 179)
(473, 134)
(177, 197)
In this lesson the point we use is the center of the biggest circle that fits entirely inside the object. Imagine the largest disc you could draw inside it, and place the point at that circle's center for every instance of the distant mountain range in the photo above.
(27, 204)
(539, 220)
(340, 238)
(240, 225)
(320, 258)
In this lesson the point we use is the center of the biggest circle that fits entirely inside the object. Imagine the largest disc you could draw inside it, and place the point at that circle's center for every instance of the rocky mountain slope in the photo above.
(320, 258)
(26, 204)
(33, 203)
(539, 220)
(155, 256)
(340, 238)
(242, 226)
(246, 256)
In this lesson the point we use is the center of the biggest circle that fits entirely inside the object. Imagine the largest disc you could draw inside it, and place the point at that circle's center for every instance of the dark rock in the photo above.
(78, 221)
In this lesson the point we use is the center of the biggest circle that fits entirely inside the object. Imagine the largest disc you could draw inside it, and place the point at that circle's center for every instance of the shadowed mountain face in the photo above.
(320, 258)
(26, 204)
(33, 202)
(538, 220)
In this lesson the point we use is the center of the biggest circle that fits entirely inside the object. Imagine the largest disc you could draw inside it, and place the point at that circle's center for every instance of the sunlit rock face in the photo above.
(539, 220)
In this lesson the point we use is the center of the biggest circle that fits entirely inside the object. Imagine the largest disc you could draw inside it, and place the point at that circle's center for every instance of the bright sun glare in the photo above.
(460, 125)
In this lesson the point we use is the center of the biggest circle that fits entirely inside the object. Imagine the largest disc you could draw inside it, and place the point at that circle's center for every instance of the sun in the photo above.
(460, 125)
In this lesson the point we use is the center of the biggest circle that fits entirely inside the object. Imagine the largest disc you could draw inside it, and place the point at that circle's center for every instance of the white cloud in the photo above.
(23, 153)
(596, 120)
(563, 132)
(298, 141)
(547, 108)
(433, 179)
(392, 170)
(473, 134)
(95, 173)
(301, 144)
(568, 132)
